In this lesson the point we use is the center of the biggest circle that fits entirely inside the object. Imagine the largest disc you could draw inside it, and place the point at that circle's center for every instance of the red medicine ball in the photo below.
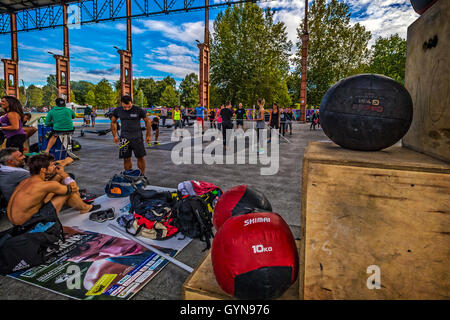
(237, 201)
(254, 256)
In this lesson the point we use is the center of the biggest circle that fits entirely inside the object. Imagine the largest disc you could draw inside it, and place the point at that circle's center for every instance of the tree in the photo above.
(388, 57)
(49, 92)
(80, 90)
(34, 96)
(249, 55)
(189, 90)
(140, 100)
(104, 95)
(169, 97)
(336, 49)
(90, 98)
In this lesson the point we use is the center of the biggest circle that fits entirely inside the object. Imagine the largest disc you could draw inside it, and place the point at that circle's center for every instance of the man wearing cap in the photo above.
(61, 119)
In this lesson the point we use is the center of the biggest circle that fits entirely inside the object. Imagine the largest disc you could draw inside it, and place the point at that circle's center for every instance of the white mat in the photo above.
(72, 218)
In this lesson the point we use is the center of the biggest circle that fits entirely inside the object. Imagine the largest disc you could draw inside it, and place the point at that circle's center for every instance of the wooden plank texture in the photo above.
(427, 79)
(356, 216)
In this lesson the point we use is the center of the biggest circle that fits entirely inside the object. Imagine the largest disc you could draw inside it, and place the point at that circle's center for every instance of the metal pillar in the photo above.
(204, 63)
(11, 66)
(305, 39)
(126, 60)
(63, 63)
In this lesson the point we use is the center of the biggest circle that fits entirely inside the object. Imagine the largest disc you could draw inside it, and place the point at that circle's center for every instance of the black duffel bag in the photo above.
(21, 249)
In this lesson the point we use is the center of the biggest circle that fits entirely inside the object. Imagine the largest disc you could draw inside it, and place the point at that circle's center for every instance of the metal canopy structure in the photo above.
(29, 15)
(43, 14)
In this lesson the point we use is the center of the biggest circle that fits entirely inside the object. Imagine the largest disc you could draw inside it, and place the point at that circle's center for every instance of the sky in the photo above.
(165, 45)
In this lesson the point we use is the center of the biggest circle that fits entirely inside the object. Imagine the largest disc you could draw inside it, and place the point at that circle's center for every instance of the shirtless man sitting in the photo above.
(40, 195)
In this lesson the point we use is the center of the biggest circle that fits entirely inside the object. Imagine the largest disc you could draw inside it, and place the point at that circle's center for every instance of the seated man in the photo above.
(11, 171)
(39, 194)
(29, 130)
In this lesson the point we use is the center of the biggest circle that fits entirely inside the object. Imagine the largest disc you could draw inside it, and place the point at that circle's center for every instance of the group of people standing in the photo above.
(89, 116)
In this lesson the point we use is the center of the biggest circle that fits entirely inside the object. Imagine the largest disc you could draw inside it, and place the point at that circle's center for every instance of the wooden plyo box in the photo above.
(202, 284)
(427, 78)
(374, 220)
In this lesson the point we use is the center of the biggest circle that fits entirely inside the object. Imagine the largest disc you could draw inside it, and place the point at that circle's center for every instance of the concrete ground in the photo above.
(99, 161)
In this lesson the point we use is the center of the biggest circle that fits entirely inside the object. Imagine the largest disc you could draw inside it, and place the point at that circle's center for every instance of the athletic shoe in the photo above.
(73, 156)
(260, 150)
(102, 215)
(157, 143)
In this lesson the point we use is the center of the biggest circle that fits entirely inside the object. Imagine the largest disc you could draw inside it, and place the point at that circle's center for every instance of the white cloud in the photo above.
(187, 32)
(173, 59)
(134, 29)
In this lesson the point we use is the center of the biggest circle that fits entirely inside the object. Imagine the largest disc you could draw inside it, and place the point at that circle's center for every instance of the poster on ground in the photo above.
(96, 266)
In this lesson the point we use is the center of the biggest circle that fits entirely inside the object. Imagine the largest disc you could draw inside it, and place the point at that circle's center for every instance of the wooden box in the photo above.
(427, 79)
(375, 225)
(202, 284)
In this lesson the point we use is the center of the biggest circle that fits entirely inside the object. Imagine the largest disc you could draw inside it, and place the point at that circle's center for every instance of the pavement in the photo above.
(99, 161)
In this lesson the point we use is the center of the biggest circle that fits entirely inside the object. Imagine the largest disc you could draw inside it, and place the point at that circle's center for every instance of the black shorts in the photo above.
(155, 126)
(47, 211)
(16, 141)
(58, 133)
(239, 122)
(136, 145)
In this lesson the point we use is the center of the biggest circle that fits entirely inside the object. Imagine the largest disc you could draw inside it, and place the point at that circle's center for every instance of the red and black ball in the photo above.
(237, 201)
(254, 256)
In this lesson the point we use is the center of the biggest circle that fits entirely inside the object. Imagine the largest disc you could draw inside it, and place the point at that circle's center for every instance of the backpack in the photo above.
(125, 183)
(194, 219)
(152, 214)
(21, 249)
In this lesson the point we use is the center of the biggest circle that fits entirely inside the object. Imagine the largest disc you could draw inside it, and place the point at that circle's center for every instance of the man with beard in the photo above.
(11, 171)
(46, 190)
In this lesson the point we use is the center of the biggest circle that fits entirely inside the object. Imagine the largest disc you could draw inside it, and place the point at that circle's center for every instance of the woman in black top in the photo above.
(212, 118)
(274, 120)
(226, 114)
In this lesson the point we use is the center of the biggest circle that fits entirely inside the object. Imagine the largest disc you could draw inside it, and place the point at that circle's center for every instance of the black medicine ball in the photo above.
(366, 112)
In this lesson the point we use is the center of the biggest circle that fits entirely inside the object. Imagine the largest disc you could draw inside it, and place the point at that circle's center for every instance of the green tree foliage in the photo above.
(249, 56)
(49, 92)
(140, 100)
(336, 49)
(388, 57)
(90, 98)
(189, 90)
(80, 90)
(104, 95)
(169, 97)
(34, 96)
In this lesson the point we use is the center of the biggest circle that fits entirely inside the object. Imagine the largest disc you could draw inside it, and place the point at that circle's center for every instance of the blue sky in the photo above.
(165, 45)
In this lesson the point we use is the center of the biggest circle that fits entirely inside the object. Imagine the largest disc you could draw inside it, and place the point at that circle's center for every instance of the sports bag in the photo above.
(125, 183)
(193, 218)
(152, 214)
(22, 247)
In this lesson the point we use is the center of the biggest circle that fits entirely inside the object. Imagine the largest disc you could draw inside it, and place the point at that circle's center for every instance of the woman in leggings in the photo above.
(274, 120)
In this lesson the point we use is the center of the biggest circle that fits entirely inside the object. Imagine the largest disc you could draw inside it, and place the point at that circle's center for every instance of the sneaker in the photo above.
(261, 151)
(73, 156)
(102, 216)
(157, 143)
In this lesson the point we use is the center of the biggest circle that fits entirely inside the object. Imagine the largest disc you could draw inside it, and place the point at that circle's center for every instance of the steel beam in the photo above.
(97, 11)
(303, 87)
(126, 60)
(11, 66)
(204, 63)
